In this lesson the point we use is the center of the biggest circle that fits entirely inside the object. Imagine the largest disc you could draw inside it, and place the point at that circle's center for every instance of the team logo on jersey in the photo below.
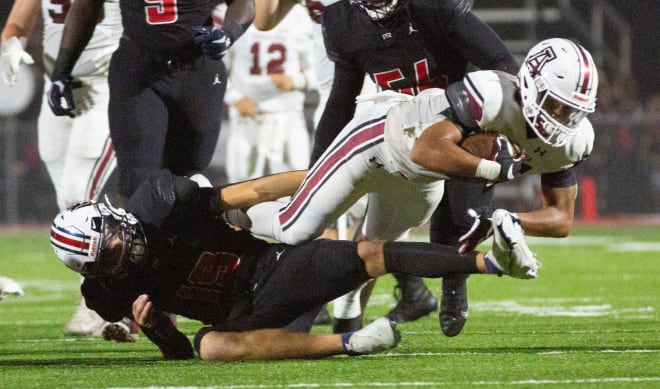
(387, 36)
(537, 61)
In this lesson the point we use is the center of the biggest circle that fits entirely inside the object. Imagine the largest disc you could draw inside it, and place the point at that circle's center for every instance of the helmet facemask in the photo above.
(558, 83)
(380, 10)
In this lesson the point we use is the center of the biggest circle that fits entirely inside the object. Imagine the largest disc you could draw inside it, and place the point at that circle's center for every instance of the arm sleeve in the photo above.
(339, 109)
(78, 30)
(171, 342)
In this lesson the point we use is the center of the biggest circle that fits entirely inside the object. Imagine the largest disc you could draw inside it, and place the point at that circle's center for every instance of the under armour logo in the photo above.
(217, 79)
(540, 151)
(411, 29)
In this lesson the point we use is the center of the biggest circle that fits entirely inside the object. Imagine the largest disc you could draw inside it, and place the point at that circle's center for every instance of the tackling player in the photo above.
(169, 249)
(76, 150)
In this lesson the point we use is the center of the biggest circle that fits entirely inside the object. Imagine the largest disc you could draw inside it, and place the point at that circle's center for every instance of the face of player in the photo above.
(123, 249)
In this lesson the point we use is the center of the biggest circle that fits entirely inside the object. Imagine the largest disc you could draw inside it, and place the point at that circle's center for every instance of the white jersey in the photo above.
(95, 59)
(286, 49)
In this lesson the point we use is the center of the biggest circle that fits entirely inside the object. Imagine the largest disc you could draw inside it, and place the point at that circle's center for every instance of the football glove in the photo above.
(510, 164)
(11, 59)
(481, 229)
(60, 96)
(214, 41)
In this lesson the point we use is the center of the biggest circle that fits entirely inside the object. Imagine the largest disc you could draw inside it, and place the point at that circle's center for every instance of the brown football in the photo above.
(483, 145)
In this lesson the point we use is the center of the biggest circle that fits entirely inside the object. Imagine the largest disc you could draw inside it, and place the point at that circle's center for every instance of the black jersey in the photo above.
(166, 27)
(197, 263)
(427, 44)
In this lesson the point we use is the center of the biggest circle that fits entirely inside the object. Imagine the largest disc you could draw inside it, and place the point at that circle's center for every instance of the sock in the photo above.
(491, 268)
(345, 337)
(427, 259)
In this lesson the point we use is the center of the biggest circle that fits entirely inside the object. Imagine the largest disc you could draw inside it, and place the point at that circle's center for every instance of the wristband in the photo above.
(489, 170)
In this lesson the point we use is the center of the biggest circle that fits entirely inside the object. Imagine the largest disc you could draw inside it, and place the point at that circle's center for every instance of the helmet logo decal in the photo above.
(537, 61)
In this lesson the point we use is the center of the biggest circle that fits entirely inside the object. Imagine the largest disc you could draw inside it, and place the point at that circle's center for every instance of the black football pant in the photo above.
(163, 113)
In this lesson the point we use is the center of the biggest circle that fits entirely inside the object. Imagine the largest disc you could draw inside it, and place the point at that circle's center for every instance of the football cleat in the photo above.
(380, 335)
(414, 300)
(453, 305)
(84, 322)
(510, 253)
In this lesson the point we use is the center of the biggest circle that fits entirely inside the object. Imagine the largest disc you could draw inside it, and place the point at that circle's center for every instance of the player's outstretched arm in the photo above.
(269, 188)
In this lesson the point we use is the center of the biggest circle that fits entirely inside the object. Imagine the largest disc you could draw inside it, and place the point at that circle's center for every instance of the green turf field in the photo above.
(591, 320)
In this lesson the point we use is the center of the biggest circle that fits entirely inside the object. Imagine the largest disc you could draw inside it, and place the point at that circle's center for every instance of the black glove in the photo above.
(510, 164)
(61, 90)
(482, 229)
(214, 41)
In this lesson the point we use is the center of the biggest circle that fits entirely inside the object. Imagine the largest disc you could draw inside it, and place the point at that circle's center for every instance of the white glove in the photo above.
(11, 59)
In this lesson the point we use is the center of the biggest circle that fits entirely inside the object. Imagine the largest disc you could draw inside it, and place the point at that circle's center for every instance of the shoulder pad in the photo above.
(460, 104)
(484, 90)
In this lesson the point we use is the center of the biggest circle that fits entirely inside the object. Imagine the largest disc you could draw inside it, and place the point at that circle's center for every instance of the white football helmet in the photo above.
(96, 239)
(558, 84)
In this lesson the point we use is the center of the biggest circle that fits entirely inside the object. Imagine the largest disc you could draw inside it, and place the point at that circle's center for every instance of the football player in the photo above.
(167, 81)
(169, 249)
(76, 150)
(409, 46)
(401, 150)
(269, 72)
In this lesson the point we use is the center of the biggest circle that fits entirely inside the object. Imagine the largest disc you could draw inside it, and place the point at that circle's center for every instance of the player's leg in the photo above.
(414, 299)
(449, 221)
(138, 117)
(332, 186)
(392, 210)
(54, 133)
(195, 113)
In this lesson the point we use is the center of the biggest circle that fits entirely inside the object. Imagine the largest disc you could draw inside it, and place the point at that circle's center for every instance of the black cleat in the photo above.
(414, 300)
(453, 305)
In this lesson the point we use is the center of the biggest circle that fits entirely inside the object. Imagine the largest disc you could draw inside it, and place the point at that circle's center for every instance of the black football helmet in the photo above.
(380, 10)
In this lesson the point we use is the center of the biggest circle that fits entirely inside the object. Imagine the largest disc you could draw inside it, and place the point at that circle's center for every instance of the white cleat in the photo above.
(510, 253)
(85, 322)
(380, 335)
(10, 287)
